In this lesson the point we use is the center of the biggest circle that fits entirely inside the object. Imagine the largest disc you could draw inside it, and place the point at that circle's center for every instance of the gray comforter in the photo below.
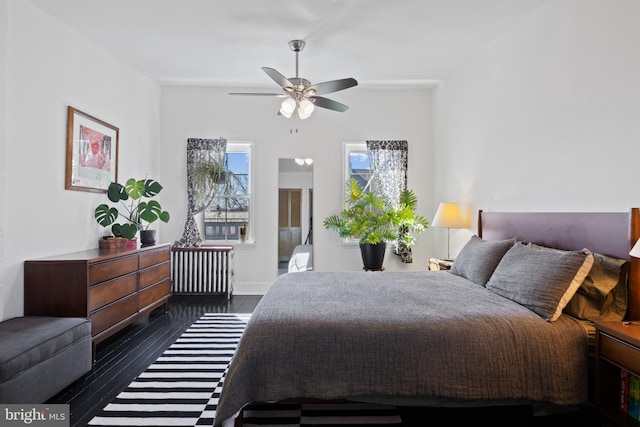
(423, 337)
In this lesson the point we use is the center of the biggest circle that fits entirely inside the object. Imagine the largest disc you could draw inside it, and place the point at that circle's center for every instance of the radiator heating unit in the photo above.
(202, 270)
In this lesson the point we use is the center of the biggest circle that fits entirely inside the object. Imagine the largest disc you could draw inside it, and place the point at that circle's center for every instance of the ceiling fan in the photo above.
(300, 94)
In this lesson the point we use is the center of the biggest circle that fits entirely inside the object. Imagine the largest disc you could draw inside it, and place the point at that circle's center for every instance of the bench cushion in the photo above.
(28, 341)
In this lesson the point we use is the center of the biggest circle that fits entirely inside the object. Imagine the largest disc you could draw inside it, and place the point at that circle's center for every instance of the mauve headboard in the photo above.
(609, 233)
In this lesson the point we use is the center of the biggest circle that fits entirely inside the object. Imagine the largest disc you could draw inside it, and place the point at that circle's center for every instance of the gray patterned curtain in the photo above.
(389, 170)
(199, 192)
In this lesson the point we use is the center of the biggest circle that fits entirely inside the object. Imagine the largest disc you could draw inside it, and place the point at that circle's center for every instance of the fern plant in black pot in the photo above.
(369, 220)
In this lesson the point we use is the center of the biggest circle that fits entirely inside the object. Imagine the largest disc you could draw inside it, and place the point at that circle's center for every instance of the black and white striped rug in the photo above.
(182, 388)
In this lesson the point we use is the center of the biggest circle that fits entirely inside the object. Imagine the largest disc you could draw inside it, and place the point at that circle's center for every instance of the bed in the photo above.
(490, 332)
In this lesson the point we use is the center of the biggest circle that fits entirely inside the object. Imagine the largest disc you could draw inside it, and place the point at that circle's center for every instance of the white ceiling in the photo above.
(380, 43)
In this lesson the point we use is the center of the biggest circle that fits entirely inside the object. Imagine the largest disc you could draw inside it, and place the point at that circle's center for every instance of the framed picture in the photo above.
(92, 153)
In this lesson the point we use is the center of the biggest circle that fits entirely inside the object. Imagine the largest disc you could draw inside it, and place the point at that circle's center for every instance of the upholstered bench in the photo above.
(40, 356)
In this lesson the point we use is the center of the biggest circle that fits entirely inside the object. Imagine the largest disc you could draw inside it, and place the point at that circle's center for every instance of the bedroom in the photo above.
(545, 118)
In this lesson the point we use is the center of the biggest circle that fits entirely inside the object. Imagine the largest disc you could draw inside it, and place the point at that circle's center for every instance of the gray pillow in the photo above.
(603, 294)
(542, 280)
(478, 258)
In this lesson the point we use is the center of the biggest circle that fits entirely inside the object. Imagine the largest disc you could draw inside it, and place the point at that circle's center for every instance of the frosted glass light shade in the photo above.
(635, 251)
(448, 215)
(305, 108)
(306, 161)
(287, 107)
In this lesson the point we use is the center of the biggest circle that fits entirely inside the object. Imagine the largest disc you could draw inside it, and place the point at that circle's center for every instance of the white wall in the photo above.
(547, 118)
(49, 67)
(3, 139)
(207, 112)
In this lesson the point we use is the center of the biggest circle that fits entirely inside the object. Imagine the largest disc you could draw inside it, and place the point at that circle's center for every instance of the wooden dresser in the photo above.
(111, 288)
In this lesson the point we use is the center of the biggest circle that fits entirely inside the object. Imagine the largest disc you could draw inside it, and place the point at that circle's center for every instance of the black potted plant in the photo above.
(139, 211)
(369, 220)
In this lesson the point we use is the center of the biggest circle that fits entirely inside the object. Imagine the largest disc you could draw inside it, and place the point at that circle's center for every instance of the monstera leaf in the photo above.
(128, 231)
(152, 211)
(106, 215)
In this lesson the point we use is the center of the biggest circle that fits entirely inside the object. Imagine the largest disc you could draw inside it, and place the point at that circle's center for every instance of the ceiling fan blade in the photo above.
(330, 104)
(278, 78)
(332, 86)
(277, 95)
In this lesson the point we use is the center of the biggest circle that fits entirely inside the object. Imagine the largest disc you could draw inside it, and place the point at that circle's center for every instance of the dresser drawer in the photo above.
(113, 313)
(112, 290)
(101, 271)
(154, 293)
(154, 256)
(620, 353)
(154, 274)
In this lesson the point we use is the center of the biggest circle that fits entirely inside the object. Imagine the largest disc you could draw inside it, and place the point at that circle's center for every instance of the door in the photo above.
(289, 221)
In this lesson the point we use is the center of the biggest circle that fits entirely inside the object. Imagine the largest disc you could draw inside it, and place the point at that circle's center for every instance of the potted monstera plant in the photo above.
(135, 209)
(369, 220)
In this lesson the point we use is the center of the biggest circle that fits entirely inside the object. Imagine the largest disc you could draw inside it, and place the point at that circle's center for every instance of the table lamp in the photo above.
(635, 251)
(449, 215)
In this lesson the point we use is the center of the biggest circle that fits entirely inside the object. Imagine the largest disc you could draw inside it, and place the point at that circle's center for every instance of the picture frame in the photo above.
(92, 152)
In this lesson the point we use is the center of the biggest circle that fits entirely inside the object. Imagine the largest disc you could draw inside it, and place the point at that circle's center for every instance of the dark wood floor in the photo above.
(127, 354)
(124, 356)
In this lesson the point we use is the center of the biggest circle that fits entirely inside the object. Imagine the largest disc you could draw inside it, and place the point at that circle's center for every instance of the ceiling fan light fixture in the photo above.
(300, 93)
(306, 161)
(287, 107)
(305, 108)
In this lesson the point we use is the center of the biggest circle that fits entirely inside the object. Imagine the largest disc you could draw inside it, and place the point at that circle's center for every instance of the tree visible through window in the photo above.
(358, 164)
(230, 208)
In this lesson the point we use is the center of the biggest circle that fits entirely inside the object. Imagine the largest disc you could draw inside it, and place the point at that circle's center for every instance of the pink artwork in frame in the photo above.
(92, 153)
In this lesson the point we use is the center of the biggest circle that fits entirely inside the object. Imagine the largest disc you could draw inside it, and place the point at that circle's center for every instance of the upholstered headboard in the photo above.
(609, 233)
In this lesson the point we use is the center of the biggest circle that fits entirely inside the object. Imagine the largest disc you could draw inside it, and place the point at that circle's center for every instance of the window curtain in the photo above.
(200, 152)
(389, 175)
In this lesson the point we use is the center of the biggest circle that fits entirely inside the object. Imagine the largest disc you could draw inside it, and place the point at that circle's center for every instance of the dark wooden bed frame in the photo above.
(609, 233)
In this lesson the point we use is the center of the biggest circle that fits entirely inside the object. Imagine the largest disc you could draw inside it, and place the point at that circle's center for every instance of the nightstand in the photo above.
(617, 352)
(436, 264)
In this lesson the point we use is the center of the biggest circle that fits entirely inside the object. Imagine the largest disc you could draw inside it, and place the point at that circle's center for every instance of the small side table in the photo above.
(617, 352)
(436, 264)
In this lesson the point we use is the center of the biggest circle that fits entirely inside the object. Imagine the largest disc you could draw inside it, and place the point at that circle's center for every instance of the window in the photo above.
(231, 205)
(357, 163)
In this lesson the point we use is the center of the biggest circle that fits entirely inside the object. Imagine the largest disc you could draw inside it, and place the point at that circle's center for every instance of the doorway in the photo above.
(295, 226)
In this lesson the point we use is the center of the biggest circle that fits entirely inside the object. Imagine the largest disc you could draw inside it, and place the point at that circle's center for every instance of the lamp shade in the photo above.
(449, 215)
(635, 251)
(287, 107)
(305, 108)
